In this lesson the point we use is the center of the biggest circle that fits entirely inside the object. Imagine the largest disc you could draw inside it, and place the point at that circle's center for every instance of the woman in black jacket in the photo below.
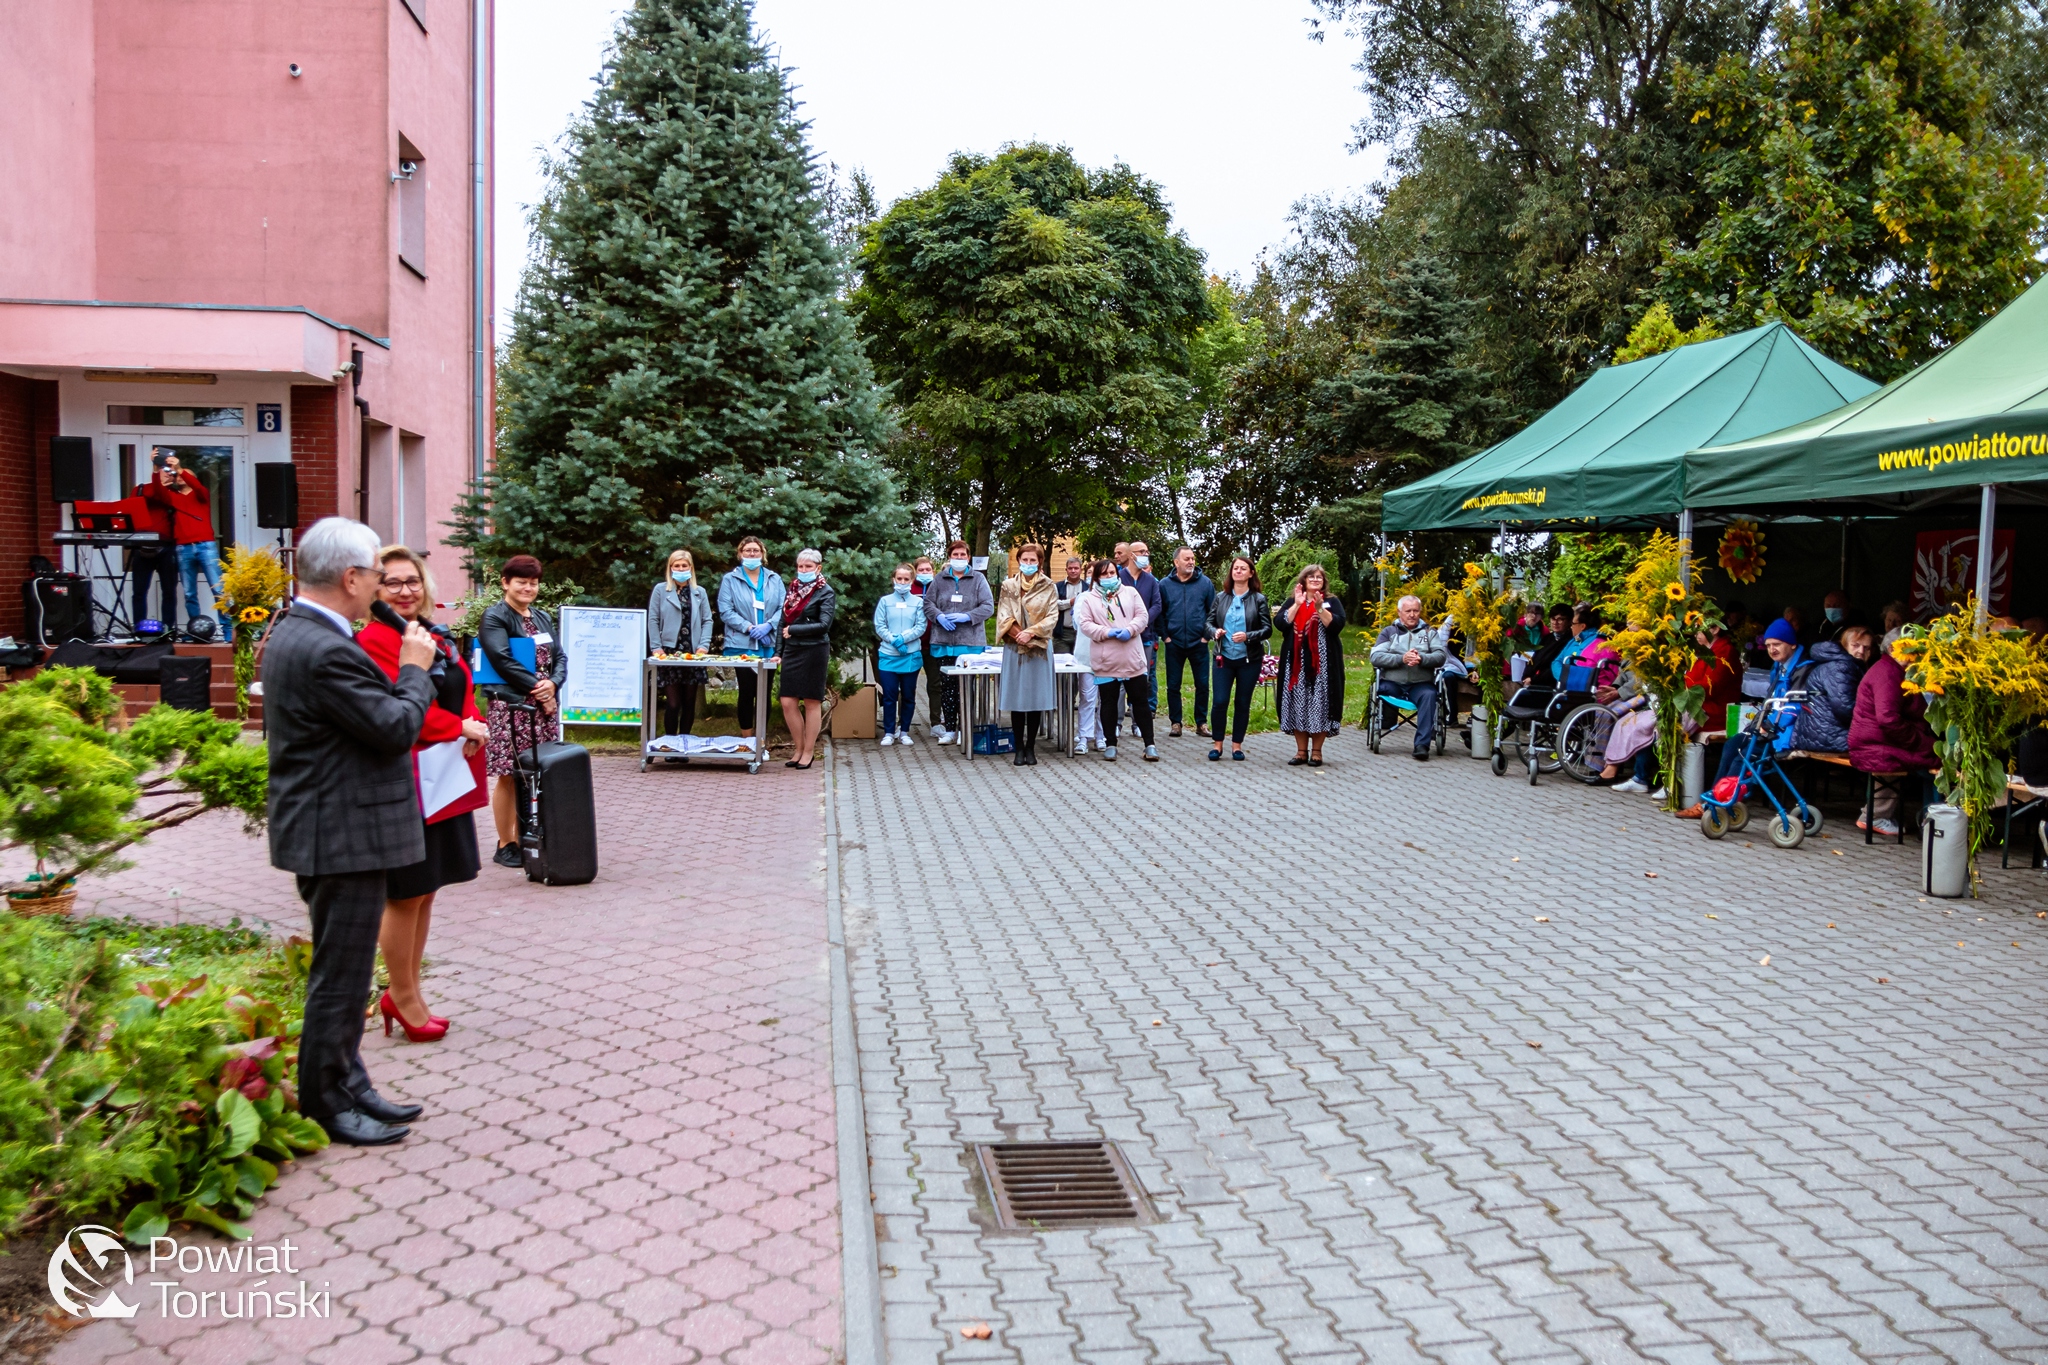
(1309, 693)
(516, 618)
(1239, 622)
(807, 613)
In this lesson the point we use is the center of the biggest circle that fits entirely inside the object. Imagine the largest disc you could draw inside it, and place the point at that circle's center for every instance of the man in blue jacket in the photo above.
(1137, 572)
(1185, 596)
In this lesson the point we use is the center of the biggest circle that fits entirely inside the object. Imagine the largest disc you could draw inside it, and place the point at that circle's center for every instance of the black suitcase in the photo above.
(557, 809)
(186, 683)
(57, 607)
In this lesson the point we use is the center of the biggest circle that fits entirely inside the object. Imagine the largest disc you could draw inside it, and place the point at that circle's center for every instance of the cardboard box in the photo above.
(854, 717)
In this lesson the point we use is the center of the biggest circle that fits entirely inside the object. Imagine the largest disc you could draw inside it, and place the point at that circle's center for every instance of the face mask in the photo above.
(681, 575)
(957, 565)
(1109, 587)
(1834, 615)
(1142, 561)
(903, 590)
(751, 562)
(924, 578)
(1027, 569)
(806, 575)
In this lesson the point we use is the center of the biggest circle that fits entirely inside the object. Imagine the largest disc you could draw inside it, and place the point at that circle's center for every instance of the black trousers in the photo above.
(1139, 690)
(346, 908)
(1197, 660)
(679, 704)
(163, 566)
(1242, 675)
(750, 695)
(941, 693)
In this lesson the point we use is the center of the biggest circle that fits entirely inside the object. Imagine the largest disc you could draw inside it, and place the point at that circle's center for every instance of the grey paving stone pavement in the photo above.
(1760, 1106)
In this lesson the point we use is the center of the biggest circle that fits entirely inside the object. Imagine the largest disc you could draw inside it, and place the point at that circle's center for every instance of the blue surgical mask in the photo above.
(806, 575)
(1027, 569)
(903, 590)
(1109, 587)
(751, 562)
(957, 565)
(1834, 615)
(924, 578)
(681, 575)
(1142, 561)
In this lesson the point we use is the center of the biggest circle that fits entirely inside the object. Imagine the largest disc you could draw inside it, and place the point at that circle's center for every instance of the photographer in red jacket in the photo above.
(191, 511)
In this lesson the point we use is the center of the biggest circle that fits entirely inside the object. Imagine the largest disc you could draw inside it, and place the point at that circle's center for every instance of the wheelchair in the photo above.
(1385, 714)
(1553, 730)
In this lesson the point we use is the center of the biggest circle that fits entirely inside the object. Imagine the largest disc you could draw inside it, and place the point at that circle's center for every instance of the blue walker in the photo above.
(1792, 818)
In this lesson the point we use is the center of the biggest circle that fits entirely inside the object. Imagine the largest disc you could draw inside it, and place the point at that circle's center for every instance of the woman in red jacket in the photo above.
(451, 832)
(1888, 733)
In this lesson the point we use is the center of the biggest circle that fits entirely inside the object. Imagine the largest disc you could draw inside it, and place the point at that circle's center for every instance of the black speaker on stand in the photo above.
(71, 469)
(277, 496)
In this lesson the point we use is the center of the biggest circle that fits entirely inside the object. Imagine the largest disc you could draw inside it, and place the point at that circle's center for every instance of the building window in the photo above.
(132, 415)
(418, 10)
(412, 207)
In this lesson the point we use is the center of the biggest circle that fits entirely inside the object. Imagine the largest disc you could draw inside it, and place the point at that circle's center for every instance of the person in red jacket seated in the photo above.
(451, 830)
(191, 512)
(1888, 733)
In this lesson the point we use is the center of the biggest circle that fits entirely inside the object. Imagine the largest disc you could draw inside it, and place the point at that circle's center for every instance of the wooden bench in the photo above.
(1872, 784)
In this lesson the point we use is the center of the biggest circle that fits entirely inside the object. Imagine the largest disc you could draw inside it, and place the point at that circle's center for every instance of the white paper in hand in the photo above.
(445, 777)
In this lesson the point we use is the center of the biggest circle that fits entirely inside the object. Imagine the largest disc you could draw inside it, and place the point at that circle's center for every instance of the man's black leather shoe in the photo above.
(354, 1128)
(384, 1111)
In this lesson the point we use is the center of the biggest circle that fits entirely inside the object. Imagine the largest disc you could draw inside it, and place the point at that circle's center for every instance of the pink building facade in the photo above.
(256, 233)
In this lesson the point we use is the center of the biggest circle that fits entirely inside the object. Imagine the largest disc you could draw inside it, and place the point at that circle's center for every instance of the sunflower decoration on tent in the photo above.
(1742, 551)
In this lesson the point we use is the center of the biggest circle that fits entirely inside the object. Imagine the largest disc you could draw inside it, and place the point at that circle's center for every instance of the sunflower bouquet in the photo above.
(1981, 689)
(1484, 615)
(253, 582)
(1660, 612)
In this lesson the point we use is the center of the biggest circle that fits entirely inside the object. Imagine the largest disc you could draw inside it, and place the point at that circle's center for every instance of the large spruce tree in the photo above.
(682, 370)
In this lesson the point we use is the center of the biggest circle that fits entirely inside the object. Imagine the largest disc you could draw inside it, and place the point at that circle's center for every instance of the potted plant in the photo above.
(1661, 611)
(252, 585)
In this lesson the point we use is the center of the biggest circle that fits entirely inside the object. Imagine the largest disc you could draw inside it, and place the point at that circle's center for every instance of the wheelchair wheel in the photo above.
(1499, 762)
(1785, 831)
(1372, 724)
(1714, 822)
(1579, 751)
(1738, 817)
(1812, 819)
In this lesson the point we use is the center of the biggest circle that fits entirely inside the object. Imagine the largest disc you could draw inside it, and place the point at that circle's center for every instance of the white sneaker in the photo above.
(1659, 794)
(888, 739)
(905, 739)
(1888, 828)
(947, 736)
(1629, 785)
(938, 732)
(1081, 749)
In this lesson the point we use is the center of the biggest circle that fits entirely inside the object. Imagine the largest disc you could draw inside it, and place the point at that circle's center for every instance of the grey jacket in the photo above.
(342, 793)
(736, 610)
(967, 597)
(1389, 651)
(665, 619)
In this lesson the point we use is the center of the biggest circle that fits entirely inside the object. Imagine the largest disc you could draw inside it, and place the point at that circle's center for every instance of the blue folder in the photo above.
(480, 667)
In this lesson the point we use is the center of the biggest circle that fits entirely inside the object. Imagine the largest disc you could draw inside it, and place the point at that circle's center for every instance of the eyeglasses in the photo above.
(403, 584)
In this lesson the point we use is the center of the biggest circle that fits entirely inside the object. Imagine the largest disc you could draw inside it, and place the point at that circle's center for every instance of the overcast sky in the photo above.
(1226, 103)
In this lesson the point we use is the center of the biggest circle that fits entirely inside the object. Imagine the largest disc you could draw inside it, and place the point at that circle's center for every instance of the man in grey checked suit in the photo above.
(343, 807)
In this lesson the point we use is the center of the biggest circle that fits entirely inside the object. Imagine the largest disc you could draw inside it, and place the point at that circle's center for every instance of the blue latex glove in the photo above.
(1120, 634)
(947, 621)
(759, 634)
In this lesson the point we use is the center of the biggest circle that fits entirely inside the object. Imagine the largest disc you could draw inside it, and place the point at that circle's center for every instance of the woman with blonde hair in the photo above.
(1311, 684)
(679, 619)
(451, 855)
(1027, 611)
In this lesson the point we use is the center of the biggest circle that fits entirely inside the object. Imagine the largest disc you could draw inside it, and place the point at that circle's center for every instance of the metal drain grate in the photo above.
(1049, 1184)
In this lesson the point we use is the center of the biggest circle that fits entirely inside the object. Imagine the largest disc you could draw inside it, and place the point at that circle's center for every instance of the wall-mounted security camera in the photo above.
(405, 170)
(296, 70)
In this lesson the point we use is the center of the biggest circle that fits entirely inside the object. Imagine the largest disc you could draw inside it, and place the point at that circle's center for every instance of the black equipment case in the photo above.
(56, 605)
(557, 809)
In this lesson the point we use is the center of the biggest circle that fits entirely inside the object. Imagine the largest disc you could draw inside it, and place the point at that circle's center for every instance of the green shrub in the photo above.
(145, 1073)
(1279, 565)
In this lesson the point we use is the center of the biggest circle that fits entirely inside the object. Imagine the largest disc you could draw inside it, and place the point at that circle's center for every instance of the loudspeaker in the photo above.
(277, 496)
(186, 683)
(70, 469)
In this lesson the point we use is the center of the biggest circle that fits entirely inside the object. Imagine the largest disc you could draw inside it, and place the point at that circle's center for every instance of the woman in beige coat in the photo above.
(1026, 612)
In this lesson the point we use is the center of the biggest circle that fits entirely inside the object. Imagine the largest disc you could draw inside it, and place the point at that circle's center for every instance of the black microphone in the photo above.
(384, 612)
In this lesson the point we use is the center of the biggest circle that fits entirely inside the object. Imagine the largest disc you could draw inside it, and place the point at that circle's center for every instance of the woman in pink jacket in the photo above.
(1113, 617)
(1888, 733)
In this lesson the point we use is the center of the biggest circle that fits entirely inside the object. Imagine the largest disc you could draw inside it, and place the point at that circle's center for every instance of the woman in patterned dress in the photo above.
(517, 618)
(1311, 682)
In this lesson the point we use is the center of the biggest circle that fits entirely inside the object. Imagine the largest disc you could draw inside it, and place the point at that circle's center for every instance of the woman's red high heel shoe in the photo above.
(434, 1031)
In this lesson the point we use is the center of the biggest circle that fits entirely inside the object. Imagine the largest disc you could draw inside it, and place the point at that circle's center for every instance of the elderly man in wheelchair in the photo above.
(1407, 659)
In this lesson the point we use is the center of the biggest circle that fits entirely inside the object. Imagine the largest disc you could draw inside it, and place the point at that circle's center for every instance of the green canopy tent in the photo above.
(1969, 421)
(1614, 450)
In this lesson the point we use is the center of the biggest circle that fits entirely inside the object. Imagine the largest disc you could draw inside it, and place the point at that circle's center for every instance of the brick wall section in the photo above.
(313, 451)
(28, 419)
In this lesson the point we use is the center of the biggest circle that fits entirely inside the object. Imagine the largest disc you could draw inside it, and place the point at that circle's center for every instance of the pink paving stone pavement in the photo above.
(627, 1154)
